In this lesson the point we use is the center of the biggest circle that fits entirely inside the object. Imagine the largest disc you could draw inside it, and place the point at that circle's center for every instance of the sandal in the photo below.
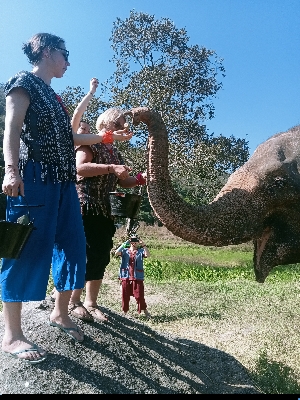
(79, 311)
(68, 331)
(34, 348)
(92, 310)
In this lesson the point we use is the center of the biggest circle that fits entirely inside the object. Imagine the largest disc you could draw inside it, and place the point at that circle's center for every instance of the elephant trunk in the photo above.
(216, 224)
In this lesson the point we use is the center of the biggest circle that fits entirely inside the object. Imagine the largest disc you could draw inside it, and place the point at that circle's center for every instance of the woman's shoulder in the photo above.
(21, 79)
(19, 76)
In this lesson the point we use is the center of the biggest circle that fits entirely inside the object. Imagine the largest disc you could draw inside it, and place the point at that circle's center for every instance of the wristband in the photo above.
(107, 138)
(140, 179)
(91, 93)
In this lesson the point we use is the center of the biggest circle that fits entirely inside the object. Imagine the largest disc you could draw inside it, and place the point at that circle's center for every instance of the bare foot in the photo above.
(25, 350)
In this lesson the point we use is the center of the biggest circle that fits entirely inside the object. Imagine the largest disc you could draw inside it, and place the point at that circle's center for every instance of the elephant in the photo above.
(260, 201)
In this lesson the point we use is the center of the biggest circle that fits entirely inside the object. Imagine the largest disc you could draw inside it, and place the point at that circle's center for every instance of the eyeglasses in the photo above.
(65, 53)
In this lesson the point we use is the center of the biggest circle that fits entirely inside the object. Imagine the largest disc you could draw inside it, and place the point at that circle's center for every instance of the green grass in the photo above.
(274, 377)
(200, 254)
(187, 261)
(162, 271)
(210, 295)
(225, 308)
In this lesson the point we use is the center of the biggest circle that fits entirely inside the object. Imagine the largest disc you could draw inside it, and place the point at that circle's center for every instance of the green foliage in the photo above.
(72, 97)
(274, 377)
(158, 68)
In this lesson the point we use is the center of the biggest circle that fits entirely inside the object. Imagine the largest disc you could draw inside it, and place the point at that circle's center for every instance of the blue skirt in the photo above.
(57, 241)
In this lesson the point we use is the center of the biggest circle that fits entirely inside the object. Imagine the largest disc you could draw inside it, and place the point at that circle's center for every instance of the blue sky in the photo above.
(258, 40)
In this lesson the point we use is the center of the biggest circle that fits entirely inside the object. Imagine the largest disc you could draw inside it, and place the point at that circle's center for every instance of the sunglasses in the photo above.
(64, 52)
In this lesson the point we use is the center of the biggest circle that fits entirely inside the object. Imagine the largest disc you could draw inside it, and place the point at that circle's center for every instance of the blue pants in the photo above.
(58, 237)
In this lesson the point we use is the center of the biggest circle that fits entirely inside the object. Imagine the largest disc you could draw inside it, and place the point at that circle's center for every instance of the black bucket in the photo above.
(13, 236)
(125, 205)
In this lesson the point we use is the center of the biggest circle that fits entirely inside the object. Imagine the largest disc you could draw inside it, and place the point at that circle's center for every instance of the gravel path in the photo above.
(123, 356)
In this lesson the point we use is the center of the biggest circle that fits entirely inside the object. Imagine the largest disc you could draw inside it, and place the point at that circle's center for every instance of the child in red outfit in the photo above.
(132, 273)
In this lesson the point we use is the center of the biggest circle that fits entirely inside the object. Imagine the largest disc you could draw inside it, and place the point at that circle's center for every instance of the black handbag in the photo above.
(14, 235)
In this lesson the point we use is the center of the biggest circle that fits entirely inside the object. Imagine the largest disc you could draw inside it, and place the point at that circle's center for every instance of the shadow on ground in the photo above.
(122, 356)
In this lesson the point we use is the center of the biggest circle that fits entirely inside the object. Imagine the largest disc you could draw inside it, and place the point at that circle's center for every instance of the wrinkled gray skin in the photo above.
(260, 201)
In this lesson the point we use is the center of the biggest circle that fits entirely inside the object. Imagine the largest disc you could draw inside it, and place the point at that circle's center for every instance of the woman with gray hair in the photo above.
(100, 168)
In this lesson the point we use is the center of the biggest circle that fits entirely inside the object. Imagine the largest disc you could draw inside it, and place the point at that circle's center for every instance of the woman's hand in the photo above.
(108, 137)
(121, 171)
(94, 83)
(12, 183)
(122, 135)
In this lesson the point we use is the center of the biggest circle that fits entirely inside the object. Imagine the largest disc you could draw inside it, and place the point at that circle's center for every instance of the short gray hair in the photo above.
(108, 116)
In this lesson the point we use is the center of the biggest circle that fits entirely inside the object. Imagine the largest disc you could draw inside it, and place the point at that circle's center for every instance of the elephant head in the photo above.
(259, 202)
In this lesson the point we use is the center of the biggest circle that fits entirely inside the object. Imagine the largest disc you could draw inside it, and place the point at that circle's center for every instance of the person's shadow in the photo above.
(122, 356)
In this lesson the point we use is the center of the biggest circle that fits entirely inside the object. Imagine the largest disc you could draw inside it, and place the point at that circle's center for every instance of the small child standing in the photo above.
(132, 273)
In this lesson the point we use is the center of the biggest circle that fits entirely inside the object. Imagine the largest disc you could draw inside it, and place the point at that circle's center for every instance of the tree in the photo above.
(72, 96)
(156, 67)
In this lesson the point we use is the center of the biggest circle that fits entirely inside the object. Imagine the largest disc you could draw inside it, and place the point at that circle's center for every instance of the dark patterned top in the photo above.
(47, 136)
(93, 192)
